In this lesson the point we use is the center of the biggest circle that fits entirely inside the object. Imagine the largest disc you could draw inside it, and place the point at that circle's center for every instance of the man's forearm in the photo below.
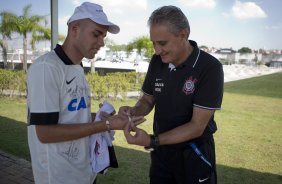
(144, 106)
(67, 132)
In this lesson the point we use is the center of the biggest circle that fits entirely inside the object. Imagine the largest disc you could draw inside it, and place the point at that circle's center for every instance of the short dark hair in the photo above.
(170, 15)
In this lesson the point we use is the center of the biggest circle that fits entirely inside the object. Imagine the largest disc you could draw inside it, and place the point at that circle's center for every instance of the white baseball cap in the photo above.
(94, 12)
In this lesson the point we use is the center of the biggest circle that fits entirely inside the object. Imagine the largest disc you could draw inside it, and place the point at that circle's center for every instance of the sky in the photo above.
(214, 23)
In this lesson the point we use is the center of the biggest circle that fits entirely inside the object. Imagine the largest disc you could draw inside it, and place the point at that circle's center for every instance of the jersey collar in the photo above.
(62, 55)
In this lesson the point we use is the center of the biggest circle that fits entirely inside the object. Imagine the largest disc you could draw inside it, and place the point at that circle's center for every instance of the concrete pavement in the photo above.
(14, 170)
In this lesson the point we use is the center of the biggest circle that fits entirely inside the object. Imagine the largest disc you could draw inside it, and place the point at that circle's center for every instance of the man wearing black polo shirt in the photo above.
(185, 85)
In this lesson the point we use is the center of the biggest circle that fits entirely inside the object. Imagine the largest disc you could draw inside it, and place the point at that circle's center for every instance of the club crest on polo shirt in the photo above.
(189, 85)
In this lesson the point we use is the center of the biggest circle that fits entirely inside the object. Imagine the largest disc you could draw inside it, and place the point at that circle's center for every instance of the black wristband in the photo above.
(154, 143)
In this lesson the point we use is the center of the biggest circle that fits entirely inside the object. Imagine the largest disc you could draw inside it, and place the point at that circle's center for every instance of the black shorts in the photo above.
(183, 166)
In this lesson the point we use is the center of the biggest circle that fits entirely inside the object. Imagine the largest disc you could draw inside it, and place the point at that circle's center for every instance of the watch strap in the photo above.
(154, 143)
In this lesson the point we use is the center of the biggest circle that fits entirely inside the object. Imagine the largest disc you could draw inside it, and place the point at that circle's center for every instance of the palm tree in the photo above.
(42, 34)
(26, 24)
(6, 29)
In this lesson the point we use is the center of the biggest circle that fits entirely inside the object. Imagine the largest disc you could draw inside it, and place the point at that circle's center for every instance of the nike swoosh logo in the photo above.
(158, 79)
(68, 82)
(202, 180)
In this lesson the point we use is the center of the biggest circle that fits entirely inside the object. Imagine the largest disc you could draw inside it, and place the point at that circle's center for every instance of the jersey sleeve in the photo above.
(43, 94)
(210, 90)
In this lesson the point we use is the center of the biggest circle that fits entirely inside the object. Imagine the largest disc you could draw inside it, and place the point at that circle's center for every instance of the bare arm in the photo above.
(143, 107)
(185, 132)
(188, 131)
(66, 132)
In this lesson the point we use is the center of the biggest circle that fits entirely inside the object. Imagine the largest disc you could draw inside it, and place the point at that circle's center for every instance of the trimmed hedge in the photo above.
(113, 85)
(12, 82)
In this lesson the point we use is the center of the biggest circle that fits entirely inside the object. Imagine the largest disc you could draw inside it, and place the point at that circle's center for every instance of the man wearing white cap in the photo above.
(59, 106)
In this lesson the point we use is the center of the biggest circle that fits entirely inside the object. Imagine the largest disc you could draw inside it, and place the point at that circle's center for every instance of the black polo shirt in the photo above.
(196, 82)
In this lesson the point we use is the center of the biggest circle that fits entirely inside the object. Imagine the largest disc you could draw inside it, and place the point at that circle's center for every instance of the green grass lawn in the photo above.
(248, 140)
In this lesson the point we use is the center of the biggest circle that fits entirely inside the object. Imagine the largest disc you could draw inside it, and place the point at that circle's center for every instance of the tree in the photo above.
(26, 24)
(245, 50)
(129, 48)
(109, 42)
(113, 46)
(6, 29)
(142, 43)
(42, 34)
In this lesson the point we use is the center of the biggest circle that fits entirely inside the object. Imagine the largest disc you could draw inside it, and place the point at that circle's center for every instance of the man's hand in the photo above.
(126, 111)
(139, 137)
(118, 122)
(104, 115)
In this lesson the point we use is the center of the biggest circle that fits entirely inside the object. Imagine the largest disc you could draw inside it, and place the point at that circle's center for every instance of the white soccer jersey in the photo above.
(58, 93)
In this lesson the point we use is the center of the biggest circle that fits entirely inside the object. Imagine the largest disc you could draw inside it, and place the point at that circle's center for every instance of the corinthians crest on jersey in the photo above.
(189, 85)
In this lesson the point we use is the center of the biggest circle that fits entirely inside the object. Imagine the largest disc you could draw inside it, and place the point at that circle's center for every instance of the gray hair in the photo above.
(170, 15)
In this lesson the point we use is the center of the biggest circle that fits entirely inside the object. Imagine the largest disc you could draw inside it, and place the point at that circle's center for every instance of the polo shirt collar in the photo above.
(193, 58)
(62, 55)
